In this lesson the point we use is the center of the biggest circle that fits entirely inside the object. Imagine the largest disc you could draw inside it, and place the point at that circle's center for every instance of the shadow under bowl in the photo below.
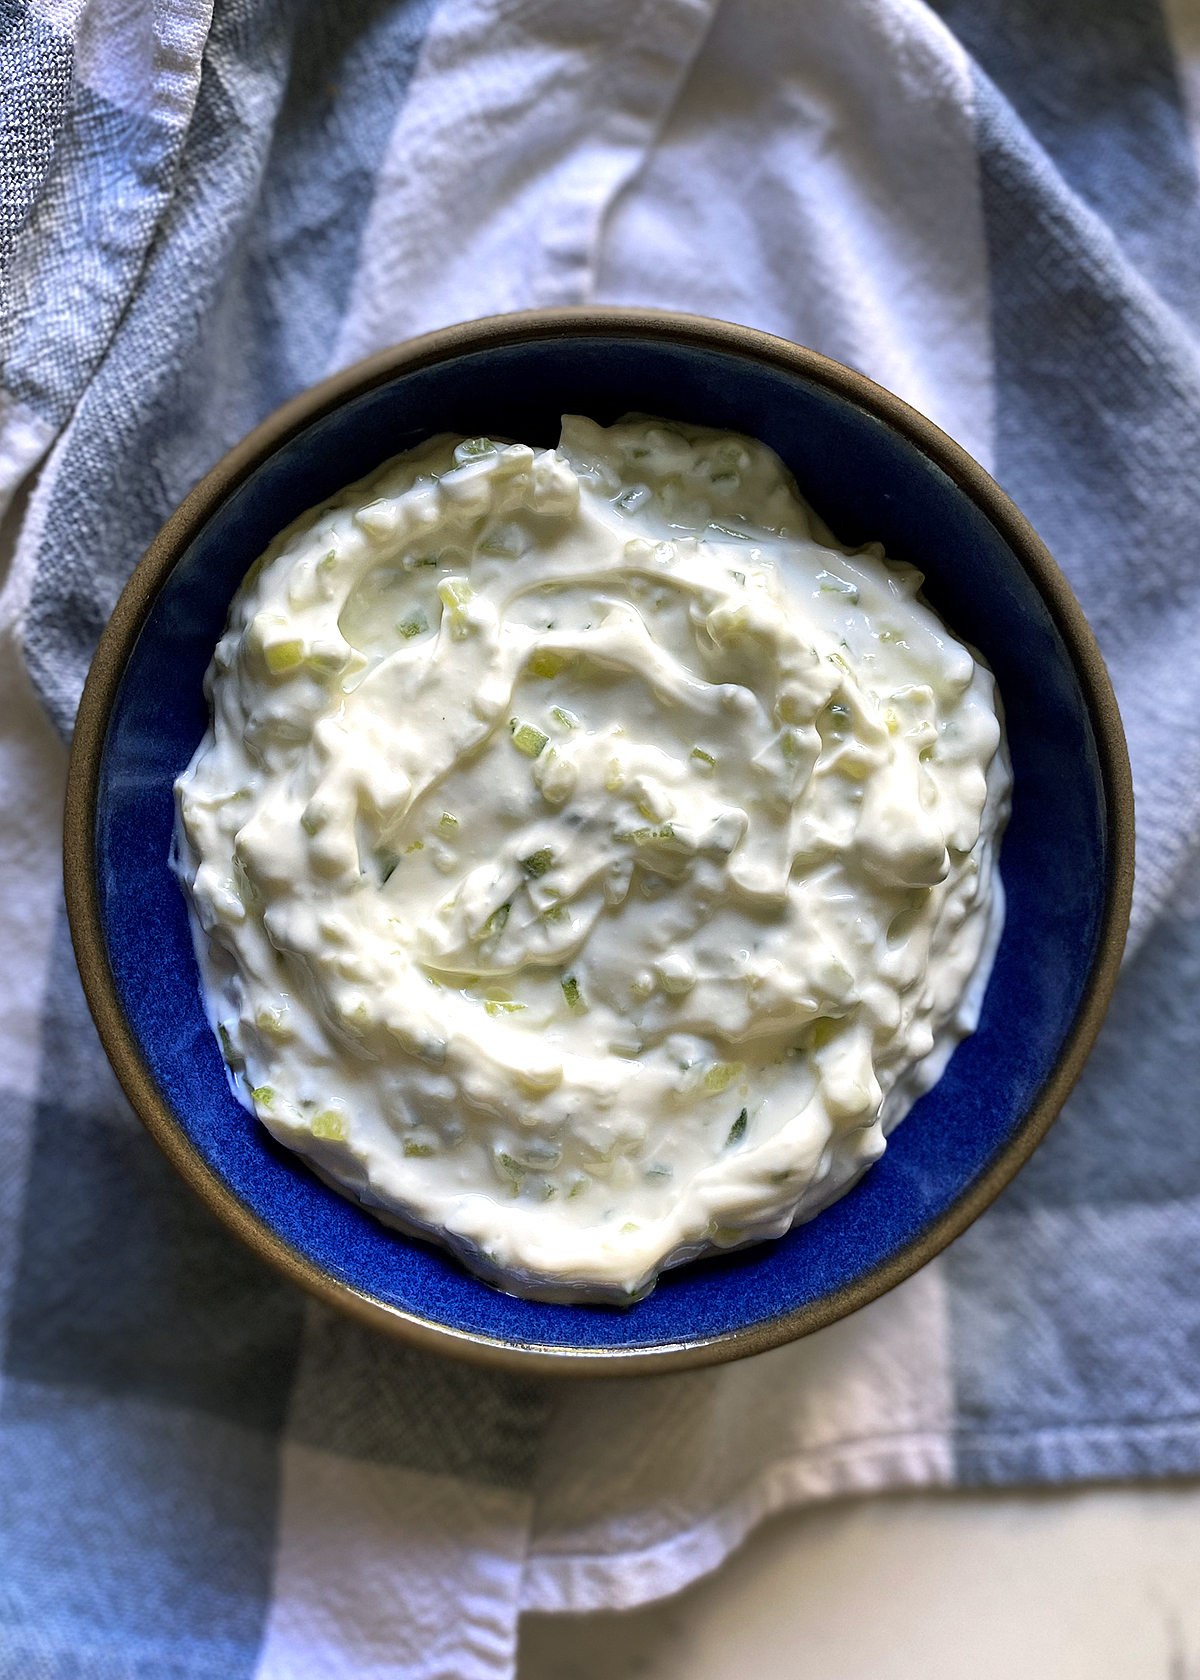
(873, 469)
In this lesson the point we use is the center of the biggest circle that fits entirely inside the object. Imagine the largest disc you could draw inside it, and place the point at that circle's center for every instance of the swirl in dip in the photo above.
(590, 859)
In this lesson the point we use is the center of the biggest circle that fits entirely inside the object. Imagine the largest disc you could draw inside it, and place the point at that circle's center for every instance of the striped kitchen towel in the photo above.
(991, 206)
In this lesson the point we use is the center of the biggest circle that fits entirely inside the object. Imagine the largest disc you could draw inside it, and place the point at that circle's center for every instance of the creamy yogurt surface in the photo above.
(590, 859)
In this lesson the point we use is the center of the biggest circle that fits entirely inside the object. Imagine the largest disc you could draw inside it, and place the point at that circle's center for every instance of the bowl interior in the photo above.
(868, 482)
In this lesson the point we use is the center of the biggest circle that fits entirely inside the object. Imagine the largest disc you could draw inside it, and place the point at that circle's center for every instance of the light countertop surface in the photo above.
(1087, 1584)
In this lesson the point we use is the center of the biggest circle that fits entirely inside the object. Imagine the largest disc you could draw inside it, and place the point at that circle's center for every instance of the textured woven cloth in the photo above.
(990, 206)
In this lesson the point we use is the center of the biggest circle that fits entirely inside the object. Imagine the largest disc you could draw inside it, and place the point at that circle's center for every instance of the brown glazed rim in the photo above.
(131, 613)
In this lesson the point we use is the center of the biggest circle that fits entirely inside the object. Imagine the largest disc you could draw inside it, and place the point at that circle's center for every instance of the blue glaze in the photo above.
(867, 482)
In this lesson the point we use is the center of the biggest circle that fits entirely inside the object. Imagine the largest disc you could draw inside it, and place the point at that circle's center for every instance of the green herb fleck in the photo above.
(413, 625)
(738, 1130)
(495, 922)
(570, 988)
(514, 1170)
(447, 823)
(413, 1148)
(228, 1048)
(646, 836)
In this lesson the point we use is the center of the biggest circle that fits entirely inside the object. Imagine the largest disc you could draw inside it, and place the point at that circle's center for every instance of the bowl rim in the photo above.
(136, 602)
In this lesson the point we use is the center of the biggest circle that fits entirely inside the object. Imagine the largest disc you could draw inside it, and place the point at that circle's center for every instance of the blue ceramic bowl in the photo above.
(873, 469)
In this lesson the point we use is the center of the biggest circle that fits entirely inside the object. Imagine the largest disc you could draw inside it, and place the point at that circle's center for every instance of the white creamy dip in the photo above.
(590, 859)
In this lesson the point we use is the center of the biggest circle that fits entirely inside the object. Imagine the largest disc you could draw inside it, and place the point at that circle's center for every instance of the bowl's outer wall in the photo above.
(868, 483)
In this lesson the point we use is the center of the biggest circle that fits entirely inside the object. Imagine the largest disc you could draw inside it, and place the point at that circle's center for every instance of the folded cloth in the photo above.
(991, 208)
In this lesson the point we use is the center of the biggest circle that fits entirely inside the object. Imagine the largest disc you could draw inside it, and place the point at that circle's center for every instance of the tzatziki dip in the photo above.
(590, 859)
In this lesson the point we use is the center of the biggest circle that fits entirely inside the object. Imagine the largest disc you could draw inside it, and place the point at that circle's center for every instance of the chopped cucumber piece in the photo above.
(721, 1075)
(568, 720)
(454, 594)
(537, 863)
(547, 662)
(830, 584)
(447, 822)
(329, 1124)
(505, 542)
(526, 738)
(705, 758)
(470, 449)
(574, 997)
(263, 1094)
(283, 656)
(272, 1022)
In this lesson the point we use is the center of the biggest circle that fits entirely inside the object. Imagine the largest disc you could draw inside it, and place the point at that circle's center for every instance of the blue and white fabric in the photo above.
(990, 206)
